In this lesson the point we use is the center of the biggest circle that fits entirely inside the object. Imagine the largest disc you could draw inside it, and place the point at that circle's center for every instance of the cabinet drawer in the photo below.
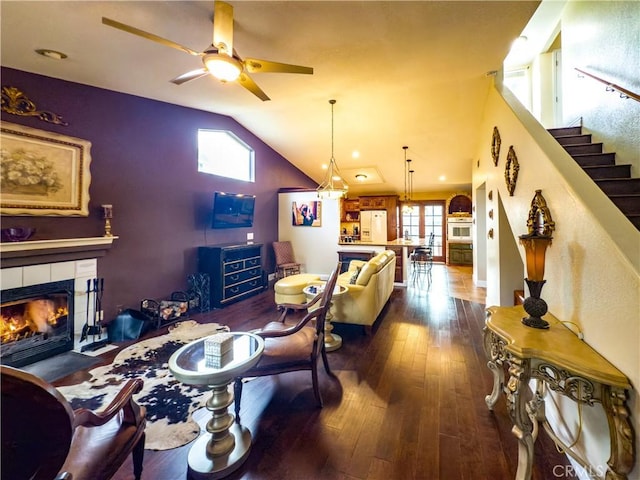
(231, 267)
(233, 291)
(252, 262)
(240, 254)
(237, 277)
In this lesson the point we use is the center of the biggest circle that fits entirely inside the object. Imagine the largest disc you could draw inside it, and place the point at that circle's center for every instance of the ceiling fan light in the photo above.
(223, 67)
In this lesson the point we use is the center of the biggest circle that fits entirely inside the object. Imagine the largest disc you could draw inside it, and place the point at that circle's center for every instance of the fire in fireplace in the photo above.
(36, 322)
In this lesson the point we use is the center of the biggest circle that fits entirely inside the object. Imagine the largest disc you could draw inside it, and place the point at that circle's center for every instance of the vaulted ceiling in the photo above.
(403, 73)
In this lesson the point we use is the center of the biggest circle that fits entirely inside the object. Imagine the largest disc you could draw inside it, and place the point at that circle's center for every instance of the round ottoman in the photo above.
(289, 289)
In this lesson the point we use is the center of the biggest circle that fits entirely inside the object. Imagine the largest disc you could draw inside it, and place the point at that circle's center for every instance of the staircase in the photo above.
(614, 180)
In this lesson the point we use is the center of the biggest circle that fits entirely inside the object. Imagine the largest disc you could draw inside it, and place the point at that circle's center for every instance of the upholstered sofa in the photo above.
(370, 285)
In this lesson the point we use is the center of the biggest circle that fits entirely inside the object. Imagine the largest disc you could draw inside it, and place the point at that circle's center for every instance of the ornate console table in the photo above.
(556, 359)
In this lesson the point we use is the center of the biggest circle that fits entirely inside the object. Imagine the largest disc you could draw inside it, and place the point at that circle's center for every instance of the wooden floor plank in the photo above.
(408, 402)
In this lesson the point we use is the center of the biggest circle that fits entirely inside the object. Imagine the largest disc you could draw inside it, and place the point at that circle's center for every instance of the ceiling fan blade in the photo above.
(223, 27)
(255, 65)
(148, 36)
(247, 82)
(192, 75)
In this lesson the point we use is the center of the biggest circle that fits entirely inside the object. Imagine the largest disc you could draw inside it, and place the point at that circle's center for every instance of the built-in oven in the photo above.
(459, 229)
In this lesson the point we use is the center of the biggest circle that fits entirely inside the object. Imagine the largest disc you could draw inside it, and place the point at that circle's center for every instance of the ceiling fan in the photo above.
(220, 59)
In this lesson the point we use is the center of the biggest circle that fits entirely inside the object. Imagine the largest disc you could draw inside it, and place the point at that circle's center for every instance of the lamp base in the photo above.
(535, 306)
(535, 322)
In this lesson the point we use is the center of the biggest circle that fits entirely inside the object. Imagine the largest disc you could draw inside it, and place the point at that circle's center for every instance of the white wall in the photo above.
(315, 247)
(592, 267)
(604, 38)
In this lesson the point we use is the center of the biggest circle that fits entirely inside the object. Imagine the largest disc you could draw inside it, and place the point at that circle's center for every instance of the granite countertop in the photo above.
(391, 243)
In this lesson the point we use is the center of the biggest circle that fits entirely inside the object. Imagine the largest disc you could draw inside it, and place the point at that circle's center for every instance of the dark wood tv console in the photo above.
(235, 271)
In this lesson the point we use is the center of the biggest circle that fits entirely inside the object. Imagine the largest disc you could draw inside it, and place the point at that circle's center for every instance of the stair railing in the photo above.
(624, 93)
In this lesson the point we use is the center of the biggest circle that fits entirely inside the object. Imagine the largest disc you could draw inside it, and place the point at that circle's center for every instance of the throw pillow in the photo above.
(354, 277)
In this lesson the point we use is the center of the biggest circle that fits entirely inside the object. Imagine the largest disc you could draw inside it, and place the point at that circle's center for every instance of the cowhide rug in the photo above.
(169, 403)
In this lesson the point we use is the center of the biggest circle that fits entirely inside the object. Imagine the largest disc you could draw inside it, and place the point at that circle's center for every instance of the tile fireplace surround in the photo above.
(42, 261)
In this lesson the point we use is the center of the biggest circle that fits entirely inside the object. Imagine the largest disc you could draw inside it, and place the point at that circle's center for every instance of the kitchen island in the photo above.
(349, 250)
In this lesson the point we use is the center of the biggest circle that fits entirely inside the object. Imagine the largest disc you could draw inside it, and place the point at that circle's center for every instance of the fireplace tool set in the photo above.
(93, 323)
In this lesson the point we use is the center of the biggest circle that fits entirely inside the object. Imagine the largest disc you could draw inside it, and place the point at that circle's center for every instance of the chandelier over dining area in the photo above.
(333, 185)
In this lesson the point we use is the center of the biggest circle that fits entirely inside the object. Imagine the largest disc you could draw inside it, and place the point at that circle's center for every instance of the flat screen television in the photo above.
(232, 210)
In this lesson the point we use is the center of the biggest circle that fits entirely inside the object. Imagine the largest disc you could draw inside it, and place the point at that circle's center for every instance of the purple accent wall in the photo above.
(144, 162)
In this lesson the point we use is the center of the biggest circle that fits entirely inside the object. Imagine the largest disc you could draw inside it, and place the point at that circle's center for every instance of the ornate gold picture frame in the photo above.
(43, 173)
(511, 170)
(495, 146)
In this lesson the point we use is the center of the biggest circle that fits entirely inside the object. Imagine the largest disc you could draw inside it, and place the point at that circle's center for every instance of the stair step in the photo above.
(594, 159)
(629, 204)
(635, 219)
(583, 148)
(564, 131)
(619, 186)
(609, 171)
(574, 139)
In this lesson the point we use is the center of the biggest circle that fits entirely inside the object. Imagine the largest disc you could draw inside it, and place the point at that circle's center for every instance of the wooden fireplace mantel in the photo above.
(35, 252)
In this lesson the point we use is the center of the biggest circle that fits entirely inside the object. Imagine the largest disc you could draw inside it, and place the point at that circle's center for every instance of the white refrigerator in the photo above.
(373, 226)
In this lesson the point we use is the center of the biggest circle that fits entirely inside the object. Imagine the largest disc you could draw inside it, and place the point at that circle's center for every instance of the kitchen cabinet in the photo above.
(345, 257)
(460, 254)
(399, 263)
(350, 211)
(389, 203)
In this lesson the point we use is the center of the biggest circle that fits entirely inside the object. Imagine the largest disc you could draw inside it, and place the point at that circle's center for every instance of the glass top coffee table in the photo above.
(227, 444)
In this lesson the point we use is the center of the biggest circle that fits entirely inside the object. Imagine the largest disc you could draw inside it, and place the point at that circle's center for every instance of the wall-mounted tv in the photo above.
(232, 210)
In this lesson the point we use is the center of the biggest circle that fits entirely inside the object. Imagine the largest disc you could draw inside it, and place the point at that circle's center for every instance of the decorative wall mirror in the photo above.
(511, 171)
(495, 146)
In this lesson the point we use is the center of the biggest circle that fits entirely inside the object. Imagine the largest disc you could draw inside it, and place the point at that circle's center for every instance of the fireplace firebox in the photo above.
(36, 322)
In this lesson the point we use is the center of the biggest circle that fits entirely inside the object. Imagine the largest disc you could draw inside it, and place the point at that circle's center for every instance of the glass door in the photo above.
(420, 219)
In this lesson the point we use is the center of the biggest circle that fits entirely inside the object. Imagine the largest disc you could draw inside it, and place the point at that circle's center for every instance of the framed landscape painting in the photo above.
(43, 173)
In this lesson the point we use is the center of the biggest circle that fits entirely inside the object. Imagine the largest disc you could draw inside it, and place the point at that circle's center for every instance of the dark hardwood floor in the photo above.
(408, 402)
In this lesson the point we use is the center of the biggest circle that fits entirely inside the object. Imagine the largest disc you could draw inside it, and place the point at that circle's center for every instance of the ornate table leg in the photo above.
(622, 450)
(223, 451)
(519, 376)
(492, 349)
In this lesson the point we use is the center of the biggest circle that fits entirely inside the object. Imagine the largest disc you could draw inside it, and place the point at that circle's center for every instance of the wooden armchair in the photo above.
(289, 347)
(43, 438)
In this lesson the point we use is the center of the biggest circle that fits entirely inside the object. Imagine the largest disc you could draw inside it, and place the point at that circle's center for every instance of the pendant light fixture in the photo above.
(333, 185)
(406, 208)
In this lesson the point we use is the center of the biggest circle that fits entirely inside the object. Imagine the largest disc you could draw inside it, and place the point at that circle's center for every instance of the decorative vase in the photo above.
(535, 306)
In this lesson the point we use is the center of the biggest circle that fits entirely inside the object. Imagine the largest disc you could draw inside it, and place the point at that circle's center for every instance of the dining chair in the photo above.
(293, 346)
(285, 259)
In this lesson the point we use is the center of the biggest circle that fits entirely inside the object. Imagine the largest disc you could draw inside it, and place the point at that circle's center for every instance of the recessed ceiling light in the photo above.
(355, 154)
(442, 178)
(45, 52)
(324, 166)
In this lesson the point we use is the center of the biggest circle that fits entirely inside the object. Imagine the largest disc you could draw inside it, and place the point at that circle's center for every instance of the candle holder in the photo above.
(107, 214)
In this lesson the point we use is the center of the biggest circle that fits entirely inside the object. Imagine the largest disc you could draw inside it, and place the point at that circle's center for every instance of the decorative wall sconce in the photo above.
(107, 214)
(511, 171)
(490, 195)
(490, 233)
(535, 243)
(491, 214)
(495, 146)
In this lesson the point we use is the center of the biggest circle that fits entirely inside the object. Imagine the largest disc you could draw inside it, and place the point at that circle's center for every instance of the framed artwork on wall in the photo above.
(306, 214)
(43, 173)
